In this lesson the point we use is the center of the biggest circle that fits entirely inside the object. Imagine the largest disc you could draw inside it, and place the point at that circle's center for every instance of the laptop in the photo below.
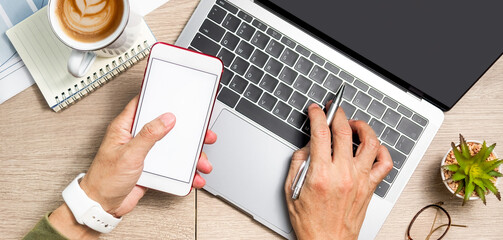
(402, 64)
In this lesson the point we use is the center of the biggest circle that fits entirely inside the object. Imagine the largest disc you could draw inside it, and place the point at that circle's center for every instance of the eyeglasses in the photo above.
(422, 220)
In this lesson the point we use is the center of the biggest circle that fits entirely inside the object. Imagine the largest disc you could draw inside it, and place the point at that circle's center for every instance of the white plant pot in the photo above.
(443, 176)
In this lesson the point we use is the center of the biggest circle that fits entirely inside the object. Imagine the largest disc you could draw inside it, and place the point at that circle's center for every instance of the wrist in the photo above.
(62, 219)
(94, 193)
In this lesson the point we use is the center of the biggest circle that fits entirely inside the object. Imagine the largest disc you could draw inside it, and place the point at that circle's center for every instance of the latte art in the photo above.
(90, 20)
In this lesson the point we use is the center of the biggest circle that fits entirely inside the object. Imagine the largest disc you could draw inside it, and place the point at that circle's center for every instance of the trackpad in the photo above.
(249, 170)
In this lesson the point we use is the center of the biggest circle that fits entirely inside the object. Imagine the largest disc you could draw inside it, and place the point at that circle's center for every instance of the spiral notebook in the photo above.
(46, 59)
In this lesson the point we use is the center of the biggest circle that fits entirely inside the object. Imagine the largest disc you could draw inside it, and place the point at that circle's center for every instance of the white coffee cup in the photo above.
(84, 53)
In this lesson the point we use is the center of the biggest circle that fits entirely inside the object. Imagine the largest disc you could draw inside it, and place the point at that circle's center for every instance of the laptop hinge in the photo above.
(415, 93)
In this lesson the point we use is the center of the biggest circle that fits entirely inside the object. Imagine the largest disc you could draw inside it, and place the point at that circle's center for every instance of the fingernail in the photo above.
(168, 119)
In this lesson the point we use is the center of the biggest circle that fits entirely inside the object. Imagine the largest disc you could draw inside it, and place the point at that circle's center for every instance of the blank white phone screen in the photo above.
(187, 93)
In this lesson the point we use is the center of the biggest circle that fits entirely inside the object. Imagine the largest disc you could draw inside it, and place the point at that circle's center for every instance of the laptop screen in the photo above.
(437, 49)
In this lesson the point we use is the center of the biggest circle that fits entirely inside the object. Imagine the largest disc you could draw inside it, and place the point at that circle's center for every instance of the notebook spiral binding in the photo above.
(98, 79)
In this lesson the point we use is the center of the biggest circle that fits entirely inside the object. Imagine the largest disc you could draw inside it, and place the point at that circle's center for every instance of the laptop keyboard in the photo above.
(272, 79)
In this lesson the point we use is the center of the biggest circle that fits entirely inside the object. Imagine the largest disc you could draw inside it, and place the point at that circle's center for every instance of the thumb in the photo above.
(152, 132)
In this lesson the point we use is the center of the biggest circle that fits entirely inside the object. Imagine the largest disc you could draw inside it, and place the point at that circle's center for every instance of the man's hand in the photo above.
(338, 187)
(111, 179)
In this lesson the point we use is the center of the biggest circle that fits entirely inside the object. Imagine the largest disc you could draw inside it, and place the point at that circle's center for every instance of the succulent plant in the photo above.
(474, 173)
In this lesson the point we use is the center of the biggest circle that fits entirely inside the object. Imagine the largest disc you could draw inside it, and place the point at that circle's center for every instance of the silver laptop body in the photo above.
(250, 161)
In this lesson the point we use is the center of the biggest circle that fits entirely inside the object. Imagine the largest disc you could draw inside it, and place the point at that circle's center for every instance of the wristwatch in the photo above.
(87, 211)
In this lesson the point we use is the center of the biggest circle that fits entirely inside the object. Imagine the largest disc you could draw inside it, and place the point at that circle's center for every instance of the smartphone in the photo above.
(184, 83)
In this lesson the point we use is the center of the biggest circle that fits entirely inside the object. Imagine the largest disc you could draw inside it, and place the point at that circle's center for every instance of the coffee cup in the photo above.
(91, 28)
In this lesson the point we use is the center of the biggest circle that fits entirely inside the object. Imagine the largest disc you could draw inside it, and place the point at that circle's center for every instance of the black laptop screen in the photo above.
(440, 48)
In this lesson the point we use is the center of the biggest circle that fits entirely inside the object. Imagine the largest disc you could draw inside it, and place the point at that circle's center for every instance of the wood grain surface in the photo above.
(42, 151)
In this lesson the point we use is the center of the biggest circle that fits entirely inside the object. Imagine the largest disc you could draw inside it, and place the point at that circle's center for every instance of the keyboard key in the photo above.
(238, 84)
(409, 128)
(258, 24)
(226, 77)
(401, 109)
(245, 16)
(422, 121)
(267, 101)
(302, 84)
(268, 83)
(390, 136)
(244, 49)
(274, 34)
(245, 31)
(317, 59)
(333, 83)
(391, 175)
(405, 145)
(259, 58)
(260, 40)
(228, 97)
(349, 92)
(296, 119)
(359, 115)
(332, 68)
(397, 157)
(318, 74)
(306, 128)
(254, 74)
(391, 117)
(388, 101)
(377, 126)
(362, 100)
(226, 56)
(317, 93)
(304, 65)
(282, 110)
(297, 100)
(288, 42)
(288, 75)
(300, 49)
(376, 109)
(274, 48)
(289, 57)
(217, 14)
(359, 84)
(227, 6)
(253, 93)
(231, 23)
(205, 45)
(328, 97)
(382, 189)
(239, 66)
(349, 110)
(230, 41)
(272, 123)
(273, 67)
(283, 92)
(309, 103)
(212, 30)
(345, 76)
(375, 93)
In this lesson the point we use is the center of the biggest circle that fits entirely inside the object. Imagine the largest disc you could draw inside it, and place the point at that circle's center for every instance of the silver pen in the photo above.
(300, 177)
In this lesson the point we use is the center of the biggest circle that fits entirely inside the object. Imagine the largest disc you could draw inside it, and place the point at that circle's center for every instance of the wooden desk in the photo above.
(42, 151)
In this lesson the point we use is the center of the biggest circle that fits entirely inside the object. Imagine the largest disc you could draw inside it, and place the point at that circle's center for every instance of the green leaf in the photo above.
(452, 167)
(464, 147)
(495, 174)
(492, 188)
(481, 194)
(458, 176)
(459, 157)
(477, 159)
(488, 165)
(468, 192)
(479, 183)
(460, 186)
(487, 151)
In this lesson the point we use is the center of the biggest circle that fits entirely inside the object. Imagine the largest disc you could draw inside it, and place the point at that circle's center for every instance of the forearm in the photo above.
(63, 220)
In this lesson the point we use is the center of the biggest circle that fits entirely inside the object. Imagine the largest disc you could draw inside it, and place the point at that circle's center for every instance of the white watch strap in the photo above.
(87, 211)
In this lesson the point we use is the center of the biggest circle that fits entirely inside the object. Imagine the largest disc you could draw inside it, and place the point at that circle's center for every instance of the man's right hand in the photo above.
(338, 187)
